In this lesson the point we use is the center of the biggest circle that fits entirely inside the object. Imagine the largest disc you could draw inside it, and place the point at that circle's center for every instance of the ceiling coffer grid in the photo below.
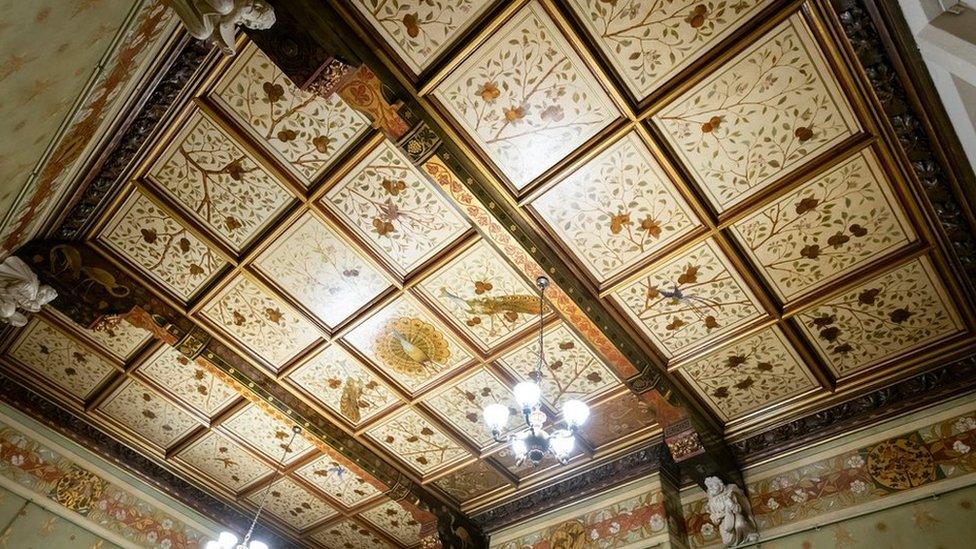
(726, 194)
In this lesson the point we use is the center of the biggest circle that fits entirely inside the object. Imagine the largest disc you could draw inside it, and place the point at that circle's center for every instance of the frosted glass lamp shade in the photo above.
(563, 445)
(527, 394)
(496, 417)
(226, 540)
(258, 545)
(575, 412)
(519, 448)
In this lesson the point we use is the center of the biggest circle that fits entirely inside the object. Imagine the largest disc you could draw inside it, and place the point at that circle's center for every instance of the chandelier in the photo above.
(535, 443)
(227, 539)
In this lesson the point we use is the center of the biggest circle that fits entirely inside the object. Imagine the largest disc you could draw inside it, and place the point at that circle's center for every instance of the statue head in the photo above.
(258, 15)
(714, 486)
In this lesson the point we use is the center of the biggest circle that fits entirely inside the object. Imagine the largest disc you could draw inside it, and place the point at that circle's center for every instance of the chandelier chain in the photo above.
(277, 474)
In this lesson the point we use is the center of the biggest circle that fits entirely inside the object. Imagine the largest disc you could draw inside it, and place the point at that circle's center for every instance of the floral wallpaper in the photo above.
(30, 525)
(139, 409)
(422, 445)
(224, 461)
(617, 209)
(768, 111)
(526, 98)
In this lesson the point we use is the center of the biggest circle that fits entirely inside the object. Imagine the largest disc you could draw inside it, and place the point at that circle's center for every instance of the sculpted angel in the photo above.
(729, 509)
(217, 20)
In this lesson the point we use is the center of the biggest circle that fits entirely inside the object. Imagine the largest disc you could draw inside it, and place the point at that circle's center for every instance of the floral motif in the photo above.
(836, 222)
(650, 41)
(227, 463)
(474, 480)
(899, 310)
(526, 97)
(162, 247)
(266, 434)
(218, 183)
(617, 209)
(618, 417)
(405, 224)
(140, 409)
(187, 381)
(901, 463)
(293, 504)
(462, 403)
(690, 300)
(395, 520)
(337, 480)
(119, 339)
(346, 387)
(416, 441)
(305, 132)
(320, 270)
(58, 357)
(768, 111)
(483, 295)
(570, 371)
(260, 322)
(421, 31)
(749, 374)
(349, 535)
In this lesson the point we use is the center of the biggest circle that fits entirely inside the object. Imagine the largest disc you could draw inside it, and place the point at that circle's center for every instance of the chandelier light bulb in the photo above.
(518, 447)
(258, 545)
(226, 540)
(527, 394)
(575, 412)
(562, 445)
(496, 417)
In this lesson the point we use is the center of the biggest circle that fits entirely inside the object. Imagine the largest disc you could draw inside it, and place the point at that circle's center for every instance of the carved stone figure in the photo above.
(217, 20)
(21, 289)
(729, 510)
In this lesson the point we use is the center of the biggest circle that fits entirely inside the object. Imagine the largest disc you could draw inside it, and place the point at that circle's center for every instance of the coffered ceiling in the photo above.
(712, 173)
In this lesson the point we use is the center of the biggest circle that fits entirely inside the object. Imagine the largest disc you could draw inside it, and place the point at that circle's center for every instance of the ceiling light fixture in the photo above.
(534, 444)
(227, 539)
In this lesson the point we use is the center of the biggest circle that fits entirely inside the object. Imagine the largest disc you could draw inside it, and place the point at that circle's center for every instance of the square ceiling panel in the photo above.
(160, 246)
(347, 534)
(526, 98)
(417, 442)
(472, 481)
(187, 381)
(321, 270)
(395, 209)
(749, 374)
(50, 352)
(266, 434)
(420, 31)
(260, 322)
(393, 519)
(408, 344)
(293, 504)
(339, 382)
(136, 407)
(771, 109)
(218, 183)
(303, 132)
(461, 403)
(224, 461)
(570, 370)
(838, 221)
(690, 300)
(483, 295)
(121, 339)
(338, 481)
(617, 418)
(886, 317)
(617, 209)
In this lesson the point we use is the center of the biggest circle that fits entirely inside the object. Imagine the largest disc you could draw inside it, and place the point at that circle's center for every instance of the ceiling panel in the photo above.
(395, 521)
(348, 534)
(290, 502)
(476, 479)
(461, 403)
(338, 481)
(620, 417)
(415, 440)
(225, 462)
(267, 435)
(137, 408)
(186, 381)
(119, 339)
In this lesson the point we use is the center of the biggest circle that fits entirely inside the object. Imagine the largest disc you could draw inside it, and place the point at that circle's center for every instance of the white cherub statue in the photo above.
(217, 20)
(729, 509)
(20, 288)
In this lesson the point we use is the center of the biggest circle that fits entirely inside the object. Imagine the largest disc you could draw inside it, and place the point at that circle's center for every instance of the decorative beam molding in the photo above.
(216, 21)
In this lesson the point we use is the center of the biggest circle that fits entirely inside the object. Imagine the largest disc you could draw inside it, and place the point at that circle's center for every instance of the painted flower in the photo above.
(16, 460)
(961, 447)
(489, 92)
(553, 113)
(657, 522)
(772, 503)
(614, 528)
(964, 424)
(594, 534)
(514, 114)
(859, 487)
(855, 462)
(166, 543)
(799, 495)
(151, 537)
(166, 524)
(707, 530)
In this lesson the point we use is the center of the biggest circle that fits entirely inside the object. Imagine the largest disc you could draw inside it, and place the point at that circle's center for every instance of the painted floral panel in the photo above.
(304, 132)
(349, 535)
(161, 247)
(56, 356)
(321, 271)
(474, 480)
(396, 521)
(526, 98)
(616, 209)
(266, 434)
(768, 111)
(748, 374)
(343, 385)
(417, 441)
(187, 381)
(650, 41)
(395, 210)
(226, 462)
(338, 481)
(462, 403)
(219, 183)
(689, 300)
(293, 504)
(260, 322)
(903, 309)
(146, 412)
(420, 30)
(121, 340)
(618, 418)
(570, 371)
(483, 295)
(834, 223)
(408, 344)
